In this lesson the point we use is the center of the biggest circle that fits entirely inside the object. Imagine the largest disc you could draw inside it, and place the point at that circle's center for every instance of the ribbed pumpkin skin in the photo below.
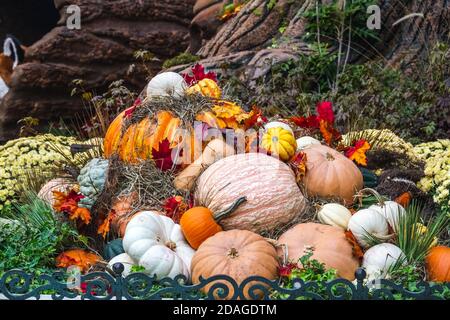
(207, 88)
(331, 175)
(273, 197)
(438, 264)
(329, 243)
(198, 224)
(255, 257)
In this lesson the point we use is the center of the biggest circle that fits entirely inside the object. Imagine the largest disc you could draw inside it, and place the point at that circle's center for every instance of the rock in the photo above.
(100, 53)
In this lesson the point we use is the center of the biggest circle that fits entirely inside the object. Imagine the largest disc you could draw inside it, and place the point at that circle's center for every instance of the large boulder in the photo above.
(100, 53)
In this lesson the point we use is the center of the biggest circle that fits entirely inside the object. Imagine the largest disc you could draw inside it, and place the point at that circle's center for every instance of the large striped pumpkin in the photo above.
(273, 197)
(137, 141)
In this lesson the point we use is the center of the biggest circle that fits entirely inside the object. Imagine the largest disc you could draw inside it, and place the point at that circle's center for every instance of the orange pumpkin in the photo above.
(139, 139)
(438, 264)
(328, 243)
(238, 254)
(200, 223)
(122, 208)
(331, 175)
(207, 88)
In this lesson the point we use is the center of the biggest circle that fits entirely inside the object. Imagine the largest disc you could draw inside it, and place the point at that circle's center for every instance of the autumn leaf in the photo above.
(105, 227)
(357, 152)
(82, 214)
(197, 74)
(230, 11)
(175, 207)
(298, 164)
(404, 199)
(129, 112)
(329, 133)
(286, 270)
(356, 248)
(77, 257)
(311, 122)
(163, 156)
(255, 117)
(325, 111)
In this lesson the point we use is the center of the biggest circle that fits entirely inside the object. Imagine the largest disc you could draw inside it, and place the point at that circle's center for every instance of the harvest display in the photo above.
(187, 181)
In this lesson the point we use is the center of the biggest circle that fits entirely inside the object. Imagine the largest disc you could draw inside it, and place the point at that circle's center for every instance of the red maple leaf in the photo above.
(197, 74)
(325, 111)
(286, 270)
(164, 156)
(256, 117)
(311, 122)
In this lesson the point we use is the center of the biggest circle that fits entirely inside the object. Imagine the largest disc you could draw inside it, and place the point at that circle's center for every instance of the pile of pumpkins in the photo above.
(238, 197)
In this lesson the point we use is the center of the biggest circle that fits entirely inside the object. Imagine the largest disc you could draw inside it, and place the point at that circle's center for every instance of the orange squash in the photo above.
(438, 264)
(200, 223)
(207, 88)
(329, 245)
(238, 254)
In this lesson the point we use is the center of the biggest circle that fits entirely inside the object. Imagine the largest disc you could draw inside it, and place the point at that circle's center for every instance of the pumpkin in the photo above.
(166, 84)
(200, 223)
(391, 210)
(92, 180)
(329, 245)
(113, 249)
(139, 139)
(273, 197)
(121, 209)
(305, 142)
(156, 243)
(58, 184)
(334, 214)
(214, 151)
(278, 124)
(207, 88)
(124, 259)
(279, 142)
(238, 254)
(331, 175)
(438, 264)
(366, 224)
(380, 258)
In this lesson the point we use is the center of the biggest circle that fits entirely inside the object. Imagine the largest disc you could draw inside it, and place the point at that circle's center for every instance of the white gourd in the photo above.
(92, 180)
(157, 243)
(334, 214)
(167, 84)
(380, 258)
(278, 124)
(124, 259)
(391, 210)
(368, 223)
(305, 142)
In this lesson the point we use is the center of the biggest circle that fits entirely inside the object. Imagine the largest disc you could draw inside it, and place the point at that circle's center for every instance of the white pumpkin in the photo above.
(380, 258)
(156, 243)
(306, 141)
(391, 210)
(124, 259)
(334, 214)
(278, 124)
(167, 84)
(368, 223)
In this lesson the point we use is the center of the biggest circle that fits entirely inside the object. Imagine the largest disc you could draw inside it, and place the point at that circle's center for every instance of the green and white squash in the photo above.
(92, 180)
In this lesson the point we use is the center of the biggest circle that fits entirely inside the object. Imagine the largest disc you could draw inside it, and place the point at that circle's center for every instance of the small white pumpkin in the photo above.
(380, 258)
(334, 214)
(124, 259)
(167, 84)
(391, 210)
(278, 124)
(305, 142)
(157, 243)
(368, 223)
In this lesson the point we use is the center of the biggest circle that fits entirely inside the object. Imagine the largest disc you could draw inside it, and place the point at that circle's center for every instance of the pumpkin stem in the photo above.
(171, 245)
(220, 215)
(233, 253)
(372, 192)
(330, 157)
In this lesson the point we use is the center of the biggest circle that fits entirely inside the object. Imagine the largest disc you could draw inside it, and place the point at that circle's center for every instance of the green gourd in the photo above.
(113, 249)
(370, 178)
(92, 180)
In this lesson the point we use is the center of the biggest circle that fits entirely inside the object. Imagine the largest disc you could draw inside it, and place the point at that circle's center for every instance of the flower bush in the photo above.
(43, 153)
(437, 169)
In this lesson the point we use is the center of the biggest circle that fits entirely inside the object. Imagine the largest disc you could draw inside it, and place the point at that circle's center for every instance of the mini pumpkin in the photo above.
(304, 142)
(207, 88)
(279, 142)
(366, 224)
(200, 223)
(278, 124)
(166, 84)
(438, 264)
(380, 258)
(156, 243)
(329, 245)
(334, 214)
(331, 175)
(238, 254)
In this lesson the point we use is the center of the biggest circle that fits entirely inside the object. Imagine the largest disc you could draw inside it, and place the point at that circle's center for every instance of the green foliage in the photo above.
(182, 58)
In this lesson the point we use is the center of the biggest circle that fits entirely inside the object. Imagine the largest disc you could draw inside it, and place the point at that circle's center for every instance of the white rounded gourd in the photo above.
(380, 258)
(305, 142)
(391, 210)
(157, 243)
(166, 84)
(368, 223)
(124, 259)
(334, 214)
(278, 124)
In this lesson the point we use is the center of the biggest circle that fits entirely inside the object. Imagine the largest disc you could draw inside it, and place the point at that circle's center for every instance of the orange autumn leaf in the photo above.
(357, 152)
(77, 257)
(329, 133)
(298, 164)
(404, 199)
(82, 214)
(60, 198)
(356, 248)
(105, 227)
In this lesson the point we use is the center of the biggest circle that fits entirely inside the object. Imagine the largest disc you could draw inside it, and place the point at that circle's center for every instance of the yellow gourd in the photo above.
(281, 142)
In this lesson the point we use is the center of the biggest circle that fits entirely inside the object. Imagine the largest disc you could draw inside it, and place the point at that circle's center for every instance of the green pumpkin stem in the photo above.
(223, 214)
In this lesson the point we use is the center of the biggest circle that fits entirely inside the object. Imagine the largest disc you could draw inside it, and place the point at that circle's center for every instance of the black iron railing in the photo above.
(19, 285)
